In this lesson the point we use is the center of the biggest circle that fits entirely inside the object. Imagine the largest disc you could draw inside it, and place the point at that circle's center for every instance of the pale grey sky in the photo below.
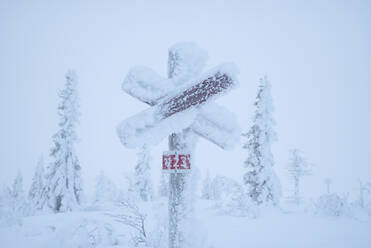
(317, 55)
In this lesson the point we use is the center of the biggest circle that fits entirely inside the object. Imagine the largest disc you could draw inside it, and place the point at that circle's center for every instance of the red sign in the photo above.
(176, 162)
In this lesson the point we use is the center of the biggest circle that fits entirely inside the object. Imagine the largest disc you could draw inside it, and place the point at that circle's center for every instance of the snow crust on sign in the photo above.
(146, 85)
(229, 69)
(186, 61)
(218, 125)
(147, 128)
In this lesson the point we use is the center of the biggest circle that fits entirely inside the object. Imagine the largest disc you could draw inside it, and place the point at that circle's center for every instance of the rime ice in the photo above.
(182, 106)
(179, 108)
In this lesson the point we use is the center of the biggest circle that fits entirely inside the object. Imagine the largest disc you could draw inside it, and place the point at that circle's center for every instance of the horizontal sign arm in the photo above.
(197, 94)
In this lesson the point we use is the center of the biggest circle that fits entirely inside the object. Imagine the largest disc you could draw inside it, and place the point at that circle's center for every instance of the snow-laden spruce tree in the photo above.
(206, 193)
(36, 196)
(18, 200)
(63, 181)
(163, 188)
(363, 188)
(142, 176)
(105, 189)
(328, 183)
(261, 181)
(297, 168)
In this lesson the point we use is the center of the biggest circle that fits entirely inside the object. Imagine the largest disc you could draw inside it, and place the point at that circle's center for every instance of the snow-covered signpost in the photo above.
(181, 105)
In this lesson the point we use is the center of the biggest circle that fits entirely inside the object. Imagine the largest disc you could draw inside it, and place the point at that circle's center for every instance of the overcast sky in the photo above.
(317, 55)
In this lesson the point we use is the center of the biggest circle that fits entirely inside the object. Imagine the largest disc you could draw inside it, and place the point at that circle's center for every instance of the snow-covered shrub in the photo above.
(143, 186)
(331, 205)
(133, 217)
(88, 234)
(231, 198)
(223, 187)
(105, 189)
(237, 204)
(147, 223)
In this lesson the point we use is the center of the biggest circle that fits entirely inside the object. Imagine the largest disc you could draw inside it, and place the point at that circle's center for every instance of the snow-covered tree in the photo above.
(297, 168)
(8, 213)
(163, 189)
(105, 189)
(63, 181)
(142, 176)
(17, 189)
(18, 200)
(363, 188)
(206, 187)
(261, 181)
(36, 196)
(328, 183)
(5, 195)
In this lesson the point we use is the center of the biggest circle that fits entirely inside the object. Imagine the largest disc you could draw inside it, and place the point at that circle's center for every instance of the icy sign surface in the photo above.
(197, 94)
(181, 101)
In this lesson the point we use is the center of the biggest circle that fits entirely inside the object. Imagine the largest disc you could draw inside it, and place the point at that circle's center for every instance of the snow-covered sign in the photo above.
(180, 105)
(176, 162)
(184, 101)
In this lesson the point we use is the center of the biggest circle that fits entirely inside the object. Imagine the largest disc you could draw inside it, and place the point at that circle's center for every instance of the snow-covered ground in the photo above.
(277, 228)
(287, 229)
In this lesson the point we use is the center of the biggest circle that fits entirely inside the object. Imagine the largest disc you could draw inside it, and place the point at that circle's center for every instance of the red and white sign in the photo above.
(176, 162)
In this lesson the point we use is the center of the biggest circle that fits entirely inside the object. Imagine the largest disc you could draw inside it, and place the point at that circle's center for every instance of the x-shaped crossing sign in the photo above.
(183, 101)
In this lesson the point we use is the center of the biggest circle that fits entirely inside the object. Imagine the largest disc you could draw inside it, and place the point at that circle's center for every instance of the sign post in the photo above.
(167, 105)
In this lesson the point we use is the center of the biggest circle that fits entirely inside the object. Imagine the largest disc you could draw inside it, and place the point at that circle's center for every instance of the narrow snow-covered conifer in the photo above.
(142, 177)
(17, 190)
(9, 214)
(328, 183)
(260, 179)
(163, 189)
(18, 196)
(36, 196)
(297, 168)
(206, 187)
(363, 188)
(64, 186)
